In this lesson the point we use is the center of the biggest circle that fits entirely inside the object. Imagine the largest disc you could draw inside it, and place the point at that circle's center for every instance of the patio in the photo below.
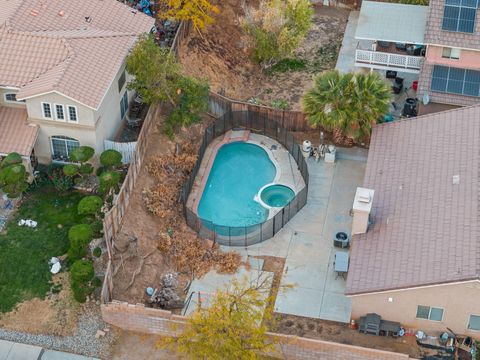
(307, 241)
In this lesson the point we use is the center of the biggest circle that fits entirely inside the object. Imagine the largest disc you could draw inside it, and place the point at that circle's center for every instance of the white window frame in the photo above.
(451, 51)
(468, 323)
(11, 101)
(68, 113)
(51, 111)
(64, 114)
(59, 137)
(429, 313)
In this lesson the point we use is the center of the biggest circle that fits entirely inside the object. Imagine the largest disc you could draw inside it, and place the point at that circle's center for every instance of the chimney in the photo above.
(362, 205)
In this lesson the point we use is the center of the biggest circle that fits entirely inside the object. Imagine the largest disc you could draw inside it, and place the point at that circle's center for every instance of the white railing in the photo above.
(383, 59)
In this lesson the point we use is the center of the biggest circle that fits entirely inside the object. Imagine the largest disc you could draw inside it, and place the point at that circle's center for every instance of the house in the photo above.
(62, 74)
(419, 261)
(437, 46)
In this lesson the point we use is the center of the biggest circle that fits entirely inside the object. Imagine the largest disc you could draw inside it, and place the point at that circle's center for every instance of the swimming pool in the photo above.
(238, 172)
(277, 195)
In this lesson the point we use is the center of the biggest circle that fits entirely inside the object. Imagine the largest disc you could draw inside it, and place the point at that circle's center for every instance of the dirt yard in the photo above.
(57, 314)
(221, 55)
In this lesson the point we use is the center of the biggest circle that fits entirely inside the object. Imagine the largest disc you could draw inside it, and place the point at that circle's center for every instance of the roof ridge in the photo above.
(60, 34)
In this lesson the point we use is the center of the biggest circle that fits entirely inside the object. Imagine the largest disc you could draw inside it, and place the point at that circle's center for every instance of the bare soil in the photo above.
(57, 314)
(221, 55)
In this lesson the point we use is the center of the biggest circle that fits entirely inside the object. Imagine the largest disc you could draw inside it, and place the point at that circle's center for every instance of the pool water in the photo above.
(277, 195)
(239, 171)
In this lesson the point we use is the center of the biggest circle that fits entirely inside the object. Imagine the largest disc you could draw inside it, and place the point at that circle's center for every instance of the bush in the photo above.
(90, 205)
(59, 180)
(97, 227)
(81, 273)
(97, 252)
(82, 154)
(80, 236)
(13, 177)
(108, 180)
(70, 170)
(111, 158)
(85, 169)
(10, 159)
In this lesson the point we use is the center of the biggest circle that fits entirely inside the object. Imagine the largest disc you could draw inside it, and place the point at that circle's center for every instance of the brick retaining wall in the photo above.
(155, 321)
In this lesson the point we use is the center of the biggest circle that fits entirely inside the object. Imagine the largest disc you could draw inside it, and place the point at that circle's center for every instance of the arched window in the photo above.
(62, 146)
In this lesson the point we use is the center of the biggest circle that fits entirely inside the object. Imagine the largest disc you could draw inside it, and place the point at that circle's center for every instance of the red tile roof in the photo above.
(15, 134)
(426, 228)
(47, 45)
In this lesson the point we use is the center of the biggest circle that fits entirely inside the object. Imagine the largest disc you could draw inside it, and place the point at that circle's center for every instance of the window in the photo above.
(72, 113)
(47, 110)
(429, 313)
(59, 112)
(459, 15)
(62, 146)
(124, 105)
(474, 322)
(451, 53)
(455, 81)
(121, 81)
(11, 97)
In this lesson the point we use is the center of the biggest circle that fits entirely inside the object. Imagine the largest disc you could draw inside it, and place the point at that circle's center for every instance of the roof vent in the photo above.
(34, 12)
(61, 13)
(88, 19)
(456, 179)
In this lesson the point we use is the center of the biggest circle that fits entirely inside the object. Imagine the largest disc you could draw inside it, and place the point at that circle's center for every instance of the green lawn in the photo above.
(24, 252)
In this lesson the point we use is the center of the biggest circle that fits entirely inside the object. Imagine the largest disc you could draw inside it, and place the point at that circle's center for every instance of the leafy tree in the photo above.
(90, 205)
(347, 104)
(199, 12)
(13, 175)
(156, 71)
(232, 327)
(277, 28)
(110, 158)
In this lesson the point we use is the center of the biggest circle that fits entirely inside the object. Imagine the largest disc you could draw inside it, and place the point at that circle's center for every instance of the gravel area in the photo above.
(82, 343)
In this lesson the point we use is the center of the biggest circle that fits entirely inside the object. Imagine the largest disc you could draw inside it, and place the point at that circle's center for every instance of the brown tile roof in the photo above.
(426, 229)
(436, 36)
(47, 45)
(15, 134)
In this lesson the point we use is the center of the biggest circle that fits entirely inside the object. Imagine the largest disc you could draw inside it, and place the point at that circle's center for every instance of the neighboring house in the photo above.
(62, 74)
(440, 42)
(419, 261)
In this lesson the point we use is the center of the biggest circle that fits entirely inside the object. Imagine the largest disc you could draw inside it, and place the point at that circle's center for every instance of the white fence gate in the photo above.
(126, 149)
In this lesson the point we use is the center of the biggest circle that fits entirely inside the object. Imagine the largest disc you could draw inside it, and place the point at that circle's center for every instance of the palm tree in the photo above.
(347, 104)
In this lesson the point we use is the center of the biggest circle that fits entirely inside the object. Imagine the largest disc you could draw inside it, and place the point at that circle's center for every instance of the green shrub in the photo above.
(108, 180)
(90, 205)
(59, 180)
(286, 65)
(97, 252)
(85, 169)
(70, 170)
(281, 104)
(97, 227)
(82, 154)
(80, 236)
(81, 274)
(13, 178)
(10, 159)
(96, 282)
(111, 158)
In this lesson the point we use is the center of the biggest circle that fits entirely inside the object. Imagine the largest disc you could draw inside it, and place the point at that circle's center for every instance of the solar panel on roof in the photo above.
(456, 81)
(460, 15)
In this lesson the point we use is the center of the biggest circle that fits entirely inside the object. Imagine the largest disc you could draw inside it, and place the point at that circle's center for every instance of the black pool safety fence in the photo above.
(258, 123)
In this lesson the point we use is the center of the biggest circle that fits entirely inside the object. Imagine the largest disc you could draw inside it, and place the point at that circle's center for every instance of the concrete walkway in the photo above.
(16, 351)
(307, 240)
(346, 57)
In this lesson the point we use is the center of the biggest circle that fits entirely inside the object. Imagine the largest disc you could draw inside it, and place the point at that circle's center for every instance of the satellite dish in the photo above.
(426, 98)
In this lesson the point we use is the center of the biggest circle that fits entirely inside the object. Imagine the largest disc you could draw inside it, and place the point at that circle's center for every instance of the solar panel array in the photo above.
(455, 81)
(460, 15)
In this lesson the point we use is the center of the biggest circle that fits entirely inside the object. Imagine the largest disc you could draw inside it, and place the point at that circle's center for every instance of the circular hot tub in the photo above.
(277, 195)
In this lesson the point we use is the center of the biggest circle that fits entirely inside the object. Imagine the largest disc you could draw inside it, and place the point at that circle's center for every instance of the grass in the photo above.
(25, 252)
(286, 65)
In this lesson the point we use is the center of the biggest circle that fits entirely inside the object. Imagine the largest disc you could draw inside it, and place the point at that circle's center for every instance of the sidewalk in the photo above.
(16, 351)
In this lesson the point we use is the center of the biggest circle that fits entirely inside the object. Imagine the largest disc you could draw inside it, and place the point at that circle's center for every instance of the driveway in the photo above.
(307, 241)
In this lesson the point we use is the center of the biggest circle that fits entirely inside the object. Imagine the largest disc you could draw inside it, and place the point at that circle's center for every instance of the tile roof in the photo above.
(16, 135)
(425, 228)
(436, 36)
(47, 45)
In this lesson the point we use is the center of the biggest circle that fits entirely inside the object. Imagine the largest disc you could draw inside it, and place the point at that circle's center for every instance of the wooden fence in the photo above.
(289, 120)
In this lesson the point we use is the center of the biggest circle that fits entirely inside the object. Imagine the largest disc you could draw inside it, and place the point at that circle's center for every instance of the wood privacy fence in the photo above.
(219, 105)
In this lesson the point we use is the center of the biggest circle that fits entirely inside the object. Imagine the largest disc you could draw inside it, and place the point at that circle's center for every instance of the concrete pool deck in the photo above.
(307, 240)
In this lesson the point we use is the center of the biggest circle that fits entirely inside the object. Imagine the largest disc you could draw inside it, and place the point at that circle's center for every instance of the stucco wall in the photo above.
(459, 301)
(469, 59)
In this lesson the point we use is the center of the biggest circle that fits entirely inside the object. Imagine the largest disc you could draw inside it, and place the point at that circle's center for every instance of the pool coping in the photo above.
(227, 139)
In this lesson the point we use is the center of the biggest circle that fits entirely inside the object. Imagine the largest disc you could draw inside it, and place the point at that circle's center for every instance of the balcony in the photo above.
(387, 58)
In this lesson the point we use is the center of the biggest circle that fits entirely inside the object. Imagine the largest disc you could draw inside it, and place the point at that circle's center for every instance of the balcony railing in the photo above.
(377, 59)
